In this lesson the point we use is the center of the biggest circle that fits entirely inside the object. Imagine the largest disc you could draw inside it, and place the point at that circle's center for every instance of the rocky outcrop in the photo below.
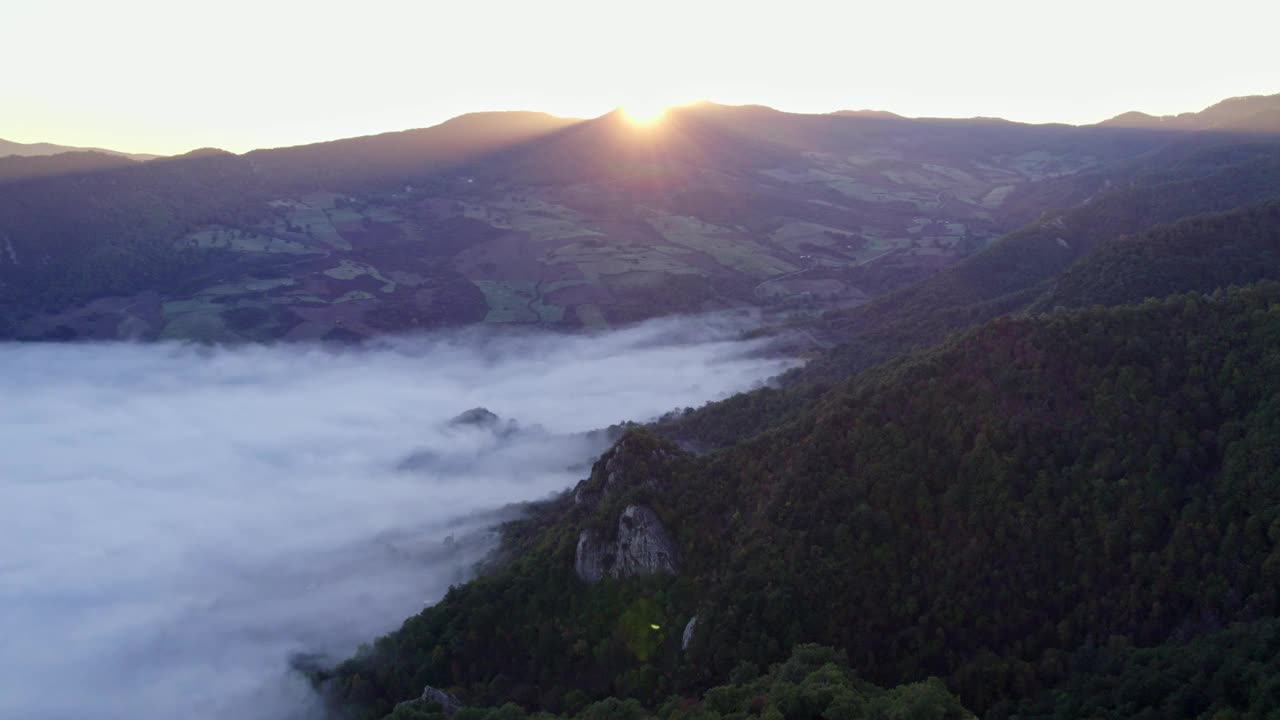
(591, 558)
(636, 461)
(584, 495)
(432, 696)
(623, 485)
(642, 547)
(688, 632)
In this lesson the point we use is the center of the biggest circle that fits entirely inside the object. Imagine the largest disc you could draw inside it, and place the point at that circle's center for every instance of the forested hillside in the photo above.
(1199, 253)
(23, 167)
(815, 682)
(1009, 275)
(69, 238)
(1124, 255)
(1234, 674)
(978, 512)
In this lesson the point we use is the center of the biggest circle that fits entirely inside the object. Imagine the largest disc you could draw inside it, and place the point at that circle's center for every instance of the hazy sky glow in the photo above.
(167, 76)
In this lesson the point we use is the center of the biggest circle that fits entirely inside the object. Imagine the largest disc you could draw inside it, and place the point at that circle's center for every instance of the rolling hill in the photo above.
(1033, 461)
(1201, 253)
(10, 148)
(25, 167)
(1010, 274)
(1251, 114)
(528, 218)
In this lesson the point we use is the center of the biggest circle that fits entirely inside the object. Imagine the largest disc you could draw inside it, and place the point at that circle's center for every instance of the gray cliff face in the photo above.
(643, 547)
(583, 496)
(590, 560)
(626, 480)
(688, 632)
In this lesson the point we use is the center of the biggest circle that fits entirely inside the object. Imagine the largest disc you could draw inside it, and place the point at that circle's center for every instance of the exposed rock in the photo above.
(643, 547)
(448, 703)
(584, 495)
(613, 469)
(590, 560)
(688, 632)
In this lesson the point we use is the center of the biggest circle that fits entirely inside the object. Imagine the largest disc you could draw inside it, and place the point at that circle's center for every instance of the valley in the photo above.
(794, 416)
(726, 207)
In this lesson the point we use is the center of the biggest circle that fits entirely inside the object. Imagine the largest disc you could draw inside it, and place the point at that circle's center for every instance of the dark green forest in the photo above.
(1199, 253)
(814, 682)
(1226, 675)
(980, 512)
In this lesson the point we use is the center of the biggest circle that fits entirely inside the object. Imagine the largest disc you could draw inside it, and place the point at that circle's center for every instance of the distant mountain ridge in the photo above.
(1245, 113)
(9, 147)
(524, 217)
(407, 153)
(520, 217)
(1252, 113)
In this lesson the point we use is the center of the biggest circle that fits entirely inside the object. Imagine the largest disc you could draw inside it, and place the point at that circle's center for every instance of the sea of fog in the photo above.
(176, 521)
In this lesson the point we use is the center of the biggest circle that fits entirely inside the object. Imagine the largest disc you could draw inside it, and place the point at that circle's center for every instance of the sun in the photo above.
(643, 112)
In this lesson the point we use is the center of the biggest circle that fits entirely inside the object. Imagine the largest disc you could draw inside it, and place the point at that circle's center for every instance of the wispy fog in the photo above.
(176, 521)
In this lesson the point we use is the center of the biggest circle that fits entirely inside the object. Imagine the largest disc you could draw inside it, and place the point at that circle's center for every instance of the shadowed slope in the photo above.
(406, 154)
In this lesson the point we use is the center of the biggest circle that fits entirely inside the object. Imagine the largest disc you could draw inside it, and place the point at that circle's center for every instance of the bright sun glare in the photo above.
(643, 112)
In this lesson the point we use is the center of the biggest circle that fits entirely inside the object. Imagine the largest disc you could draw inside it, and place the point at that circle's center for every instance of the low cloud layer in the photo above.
(177, 521)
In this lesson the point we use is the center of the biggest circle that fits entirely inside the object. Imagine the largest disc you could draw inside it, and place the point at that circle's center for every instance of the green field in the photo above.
(521, 300)
(350, 270)
(739, 254)
(543, 220)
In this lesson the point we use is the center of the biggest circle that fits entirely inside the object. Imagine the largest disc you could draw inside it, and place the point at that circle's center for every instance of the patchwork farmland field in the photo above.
(577, 243)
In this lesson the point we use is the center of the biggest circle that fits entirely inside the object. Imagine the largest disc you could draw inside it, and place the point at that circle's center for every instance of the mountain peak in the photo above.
(202, 152)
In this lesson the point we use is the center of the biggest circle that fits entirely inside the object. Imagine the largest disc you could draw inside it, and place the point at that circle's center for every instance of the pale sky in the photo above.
(167, 76)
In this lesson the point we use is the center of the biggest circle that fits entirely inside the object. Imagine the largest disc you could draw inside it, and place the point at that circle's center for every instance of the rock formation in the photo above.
(632, 463)
(625, 480)
(590, 560)
(642, 547)
(432, 696)
(688, 632)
